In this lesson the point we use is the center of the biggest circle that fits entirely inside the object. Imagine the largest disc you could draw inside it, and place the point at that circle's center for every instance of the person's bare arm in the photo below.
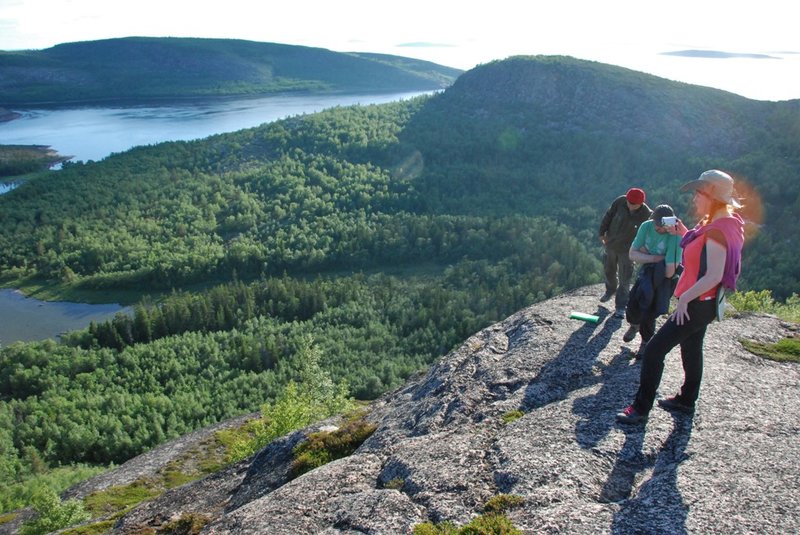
(640, 257)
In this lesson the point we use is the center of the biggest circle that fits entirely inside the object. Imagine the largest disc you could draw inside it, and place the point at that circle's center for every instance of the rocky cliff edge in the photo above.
(443, 448)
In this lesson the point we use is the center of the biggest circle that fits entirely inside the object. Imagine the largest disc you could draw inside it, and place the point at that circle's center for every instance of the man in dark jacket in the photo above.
(617, 230)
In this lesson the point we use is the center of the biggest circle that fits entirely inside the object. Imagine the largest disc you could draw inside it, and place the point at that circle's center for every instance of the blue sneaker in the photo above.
(631, 416)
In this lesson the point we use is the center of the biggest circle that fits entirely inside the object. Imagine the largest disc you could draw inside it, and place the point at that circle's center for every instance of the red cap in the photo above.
(635, 196)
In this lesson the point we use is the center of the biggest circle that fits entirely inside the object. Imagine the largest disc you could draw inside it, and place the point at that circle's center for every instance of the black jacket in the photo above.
(619, 225)
(650, 293)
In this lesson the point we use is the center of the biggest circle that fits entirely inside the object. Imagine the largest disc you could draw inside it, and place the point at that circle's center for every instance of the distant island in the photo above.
(716, 54)
(143, 69)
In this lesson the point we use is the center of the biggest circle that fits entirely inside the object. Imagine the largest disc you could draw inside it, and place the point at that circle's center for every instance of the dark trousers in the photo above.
(647, 325)
(690, 337)
(645, 319)
(618, 269)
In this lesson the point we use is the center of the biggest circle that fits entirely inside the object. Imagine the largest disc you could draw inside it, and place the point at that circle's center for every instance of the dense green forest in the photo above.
(145, 68)
(387, 233)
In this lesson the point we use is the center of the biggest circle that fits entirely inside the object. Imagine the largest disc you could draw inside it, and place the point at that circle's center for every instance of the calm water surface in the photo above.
(5, 188)
(26, 319)
(94, 133)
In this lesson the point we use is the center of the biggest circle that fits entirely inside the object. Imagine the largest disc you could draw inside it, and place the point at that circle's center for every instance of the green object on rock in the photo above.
(585, 317)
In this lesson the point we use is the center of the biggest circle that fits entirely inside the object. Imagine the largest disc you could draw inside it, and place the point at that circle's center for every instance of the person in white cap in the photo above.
(712, 254)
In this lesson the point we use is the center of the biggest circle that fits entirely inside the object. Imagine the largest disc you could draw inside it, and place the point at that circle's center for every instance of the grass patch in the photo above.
(120, 498)
(489, 524)
(326, 446)
(187, 524)
(786, 350)
(510, 416)
(176, 478)
(492, 522)
(210, 456)
(503, 503)
(96, 528)
(429, 528)
(7, 518)
(239, 442)
(395, 484)
(207, 458)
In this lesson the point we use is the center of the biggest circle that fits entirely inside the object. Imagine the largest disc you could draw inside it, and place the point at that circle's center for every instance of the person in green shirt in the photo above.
(658, 252)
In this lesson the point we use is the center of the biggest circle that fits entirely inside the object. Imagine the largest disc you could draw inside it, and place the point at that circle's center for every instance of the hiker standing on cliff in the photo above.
(712, 255)
(656, 248)
(617, 230)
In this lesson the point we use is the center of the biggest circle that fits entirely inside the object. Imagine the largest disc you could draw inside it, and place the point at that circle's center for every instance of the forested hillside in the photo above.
(387, 234)
(144, 68)
(562, 137)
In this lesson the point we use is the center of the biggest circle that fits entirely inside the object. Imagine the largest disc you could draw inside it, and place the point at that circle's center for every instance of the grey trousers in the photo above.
(618, 269)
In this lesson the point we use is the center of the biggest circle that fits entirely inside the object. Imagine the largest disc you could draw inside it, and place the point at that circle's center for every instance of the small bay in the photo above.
(5, 188)
(26, 319)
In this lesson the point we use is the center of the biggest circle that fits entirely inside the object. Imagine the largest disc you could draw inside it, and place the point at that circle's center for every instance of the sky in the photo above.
(751, 48)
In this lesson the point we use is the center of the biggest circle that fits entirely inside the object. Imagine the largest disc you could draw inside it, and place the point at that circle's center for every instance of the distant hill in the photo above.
(387, 234)
(143, 68)
(562, 137)
(526, 136)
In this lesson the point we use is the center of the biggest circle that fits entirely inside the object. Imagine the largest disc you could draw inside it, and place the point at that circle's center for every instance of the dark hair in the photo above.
(662, 210)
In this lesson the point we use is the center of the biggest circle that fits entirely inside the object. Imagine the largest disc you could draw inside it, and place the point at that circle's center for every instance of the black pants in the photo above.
(645, 319)
(647, 325)
(618, 270)
(690, 337)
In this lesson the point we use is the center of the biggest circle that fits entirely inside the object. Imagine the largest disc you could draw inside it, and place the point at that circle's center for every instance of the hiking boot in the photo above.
(619, 313)
(631, 416)
(640, 351)
(631, 333)
(606, 296)
(674, 404)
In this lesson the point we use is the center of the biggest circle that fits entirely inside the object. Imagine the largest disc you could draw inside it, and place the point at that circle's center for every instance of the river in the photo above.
(92, 133)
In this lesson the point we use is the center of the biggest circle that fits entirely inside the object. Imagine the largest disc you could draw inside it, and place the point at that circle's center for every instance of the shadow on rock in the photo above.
(618, 380)
(658, 504)
(572, 367)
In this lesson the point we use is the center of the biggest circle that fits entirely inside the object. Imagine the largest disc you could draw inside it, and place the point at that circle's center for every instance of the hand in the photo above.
(603, 240)
(679, 229)
(681, 314)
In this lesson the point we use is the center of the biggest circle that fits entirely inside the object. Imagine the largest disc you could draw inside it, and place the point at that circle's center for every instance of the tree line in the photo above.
(388, 233)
